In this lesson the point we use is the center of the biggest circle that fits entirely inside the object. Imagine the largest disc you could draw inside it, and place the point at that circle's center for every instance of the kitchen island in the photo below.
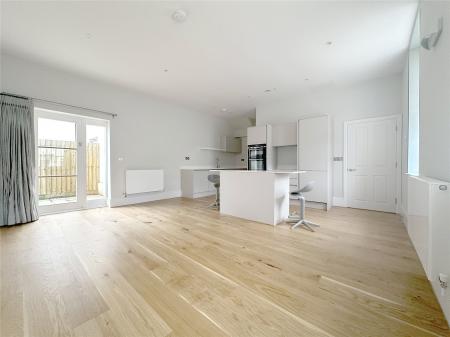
(261, 196)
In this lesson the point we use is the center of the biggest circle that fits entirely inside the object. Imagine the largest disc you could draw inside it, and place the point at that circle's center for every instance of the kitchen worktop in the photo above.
(209, 168)
(260, 172)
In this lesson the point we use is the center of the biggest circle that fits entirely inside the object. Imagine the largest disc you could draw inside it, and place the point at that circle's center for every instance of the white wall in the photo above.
(434, 132)
(435, 125)
(148, 133)
(375, 98)
(435, 94)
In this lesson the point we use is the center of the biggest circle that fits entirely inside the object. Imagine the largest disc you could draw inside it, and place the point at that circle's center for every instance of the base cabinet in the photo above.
(195, 184)
(319, 192)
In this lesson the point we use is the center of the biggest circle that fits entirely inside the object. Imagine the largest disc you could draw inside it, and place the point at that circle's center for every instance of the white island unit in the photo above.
(261, 196)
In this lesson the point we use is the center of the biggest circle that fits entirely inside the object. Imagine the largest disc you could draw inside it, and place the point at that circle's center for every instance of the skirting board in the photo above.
(404, 216)
(339, 202)
(146, 197)
(203, 194)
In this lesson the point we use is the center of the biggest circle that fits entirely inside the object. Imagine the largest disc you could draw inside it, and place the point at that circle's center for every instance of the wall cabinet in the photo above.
(231, 144)
(195, 183)
(284, 134)
(257, 135)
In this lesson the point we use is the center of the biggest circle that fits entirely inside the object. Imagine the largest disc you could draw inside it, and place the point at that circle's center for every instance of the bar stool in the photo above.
(300, 220)
(215, 179)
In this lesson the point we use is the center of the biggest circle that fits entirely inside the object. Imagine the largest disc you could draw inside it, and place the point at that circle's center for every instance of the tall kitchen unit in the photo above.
(314, 157)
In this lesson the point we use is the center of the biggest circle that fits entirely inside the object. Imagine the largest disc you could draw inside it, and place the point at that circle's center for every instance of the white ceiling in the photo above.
(225, 55)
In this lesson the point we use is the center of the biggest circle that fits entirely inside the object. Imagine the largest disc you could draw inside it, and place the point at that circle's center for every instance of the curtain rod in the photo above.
(48, 101)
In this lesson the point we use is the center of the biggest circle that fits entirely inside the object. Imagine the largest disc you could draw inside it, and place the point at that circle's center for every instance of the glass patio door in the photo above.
(58, 162)
(71, 161)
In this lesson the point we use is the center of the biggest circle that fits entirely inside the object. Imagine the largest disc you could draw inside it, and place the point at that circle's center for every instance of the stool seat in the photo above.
(214, 178)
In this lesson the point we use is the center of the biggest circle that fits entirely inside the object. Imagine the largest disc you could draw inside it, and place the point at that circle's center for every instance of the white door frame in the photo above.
(81, 122)
(398, 155)
(102, 202)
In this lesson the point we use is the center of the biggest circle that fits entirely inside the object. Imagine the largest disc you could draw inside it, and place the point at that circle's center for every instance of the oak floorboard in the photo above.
(177, 268)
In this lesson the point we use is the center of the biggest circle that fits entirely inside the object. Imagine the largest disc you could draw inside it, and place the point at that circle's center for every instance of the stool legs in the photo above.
(300, 221)
(216, 203)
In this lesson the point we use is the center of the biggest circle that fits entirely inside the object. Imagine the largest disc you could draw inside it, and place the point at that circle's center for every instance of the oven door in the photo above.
(256, 152)
(256, 165)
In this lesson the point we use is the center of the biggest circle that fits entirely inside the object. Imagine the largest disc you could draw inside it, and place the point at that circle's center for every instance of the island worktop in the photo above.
(258, 171)
(261, 196)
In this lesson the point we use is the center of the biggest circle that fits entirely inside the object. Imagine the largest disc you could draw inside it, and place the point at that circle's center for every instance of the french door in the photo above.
(71, 161)
(372, 164)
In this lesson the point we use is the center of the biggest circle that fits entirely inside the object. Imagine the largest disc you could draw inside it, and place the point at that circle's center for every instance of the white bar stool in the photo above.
(300, 220)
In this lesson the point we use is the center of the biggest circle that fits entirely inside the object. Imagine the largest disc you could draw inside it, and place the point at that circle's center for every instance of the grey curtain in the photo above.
(17, 161)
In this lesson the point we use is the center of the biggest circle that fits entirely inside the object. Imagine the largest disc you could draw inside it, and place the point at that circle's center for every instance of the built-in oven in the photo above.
(257, 157)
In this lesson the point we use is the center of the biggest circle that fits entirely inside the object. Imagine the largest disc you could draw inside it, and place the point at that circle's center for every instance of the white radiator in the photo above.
(428, 216)
(429, 229)
(143, 181)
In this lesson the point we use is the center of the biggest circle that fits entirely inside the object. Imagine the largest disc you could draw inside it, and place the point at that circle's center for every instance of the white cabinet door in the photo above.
(313, 144)
(371, 156)
(284, 134)
(201, 183)
(231, 144)
(257, 135)
(319, 192)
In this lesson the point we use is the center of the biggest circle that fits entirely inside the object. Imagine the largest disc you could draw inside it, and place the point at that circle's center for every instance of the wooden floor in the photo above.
(176, 268)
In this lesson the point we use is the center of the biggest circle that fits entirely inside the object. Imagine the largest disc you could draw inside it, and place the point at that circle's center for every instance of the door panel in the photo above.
(371, 151)
(58, 161)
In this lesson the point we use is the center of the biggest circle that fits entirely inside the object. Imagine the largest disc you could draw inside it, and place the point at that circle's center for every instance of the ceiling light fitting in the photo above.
(179, 16)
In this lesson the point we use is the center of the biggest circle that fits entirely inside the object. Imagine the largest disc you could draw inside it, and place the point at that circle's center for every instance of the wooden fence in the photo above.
(57, 168)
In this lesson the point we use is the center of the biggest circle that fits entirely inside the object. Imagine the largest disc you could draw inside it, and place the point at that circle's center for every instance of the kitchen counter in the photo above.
(259, 172)
(261, 196)
(209, 168)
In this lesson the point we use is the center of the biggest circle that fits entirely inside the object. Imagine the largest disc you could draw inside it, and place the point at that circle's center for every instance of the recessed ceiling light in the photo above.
(329, 43)
(224, 109)
(306, 79)
(267, 91)
(179, 16)
(166, 70)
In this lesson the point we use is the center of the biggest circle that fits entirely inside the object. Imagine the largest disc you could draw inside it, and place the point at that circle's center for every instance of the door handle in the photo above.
(351, 170)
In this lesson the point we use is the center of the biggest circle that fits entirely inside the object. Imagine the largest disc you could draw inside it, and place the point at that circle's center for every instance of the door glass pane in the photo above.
(95, 161)
(57, 161)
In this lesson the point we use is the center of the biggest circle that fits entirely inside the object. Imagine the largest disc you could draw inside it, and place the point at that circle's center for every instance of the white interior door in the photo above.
(371, 164)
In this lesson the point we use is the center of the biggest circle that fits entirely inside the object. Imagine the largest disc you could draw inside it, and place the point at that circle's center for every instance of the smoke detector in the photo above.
(179, 16)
